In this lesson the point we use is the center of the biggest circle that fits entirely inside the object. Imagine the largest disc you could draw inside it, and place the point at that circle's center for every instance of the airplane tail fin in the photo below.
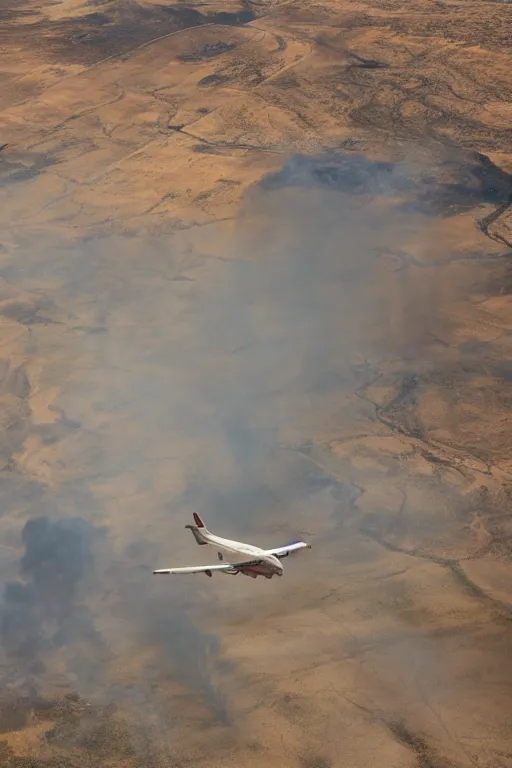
(198, 529)
(198, 521)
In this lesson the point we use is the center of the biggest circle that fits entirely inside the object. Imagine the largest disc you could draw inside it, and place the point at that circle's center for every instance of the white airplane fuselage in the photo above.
(267, 565)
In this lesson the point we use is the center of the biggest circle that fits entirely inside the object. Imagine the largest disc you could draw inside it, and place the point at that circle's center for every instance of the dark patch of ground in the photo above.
(207, 51)
(213, 80)
(16, 166)
(452, 187)
(78, 734)
(127, 25)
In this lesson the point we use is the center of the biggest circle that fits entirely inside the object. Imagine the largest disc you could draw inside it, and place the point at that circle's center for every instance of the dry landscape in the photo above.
(255, 261)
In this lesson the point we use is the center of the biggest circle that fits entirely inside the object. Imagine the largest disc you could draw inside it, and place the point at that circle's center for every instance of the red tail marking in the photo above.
(198, 520)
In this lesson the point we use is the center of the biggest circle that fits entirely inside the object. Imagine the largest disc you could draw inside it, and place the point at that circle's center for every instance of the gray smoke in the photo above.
(196, 378)
(46, 607)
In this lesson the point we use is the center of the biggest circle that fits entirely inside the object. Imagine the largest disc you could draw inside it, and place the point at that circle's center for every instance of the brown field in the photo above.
(255, 262)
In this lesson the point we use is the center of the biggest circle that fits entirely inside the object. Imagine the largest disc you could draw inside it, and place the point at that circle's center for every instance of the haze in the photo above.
(255, 264)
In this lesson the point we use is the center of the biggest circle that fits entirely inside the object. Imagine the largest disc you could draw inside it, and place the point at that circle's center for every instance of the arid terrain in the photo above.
(255, 261)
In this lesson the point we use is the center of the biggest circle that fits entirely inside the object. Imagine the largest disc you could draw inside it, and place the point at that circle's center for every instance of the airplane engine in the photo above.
(250, 573)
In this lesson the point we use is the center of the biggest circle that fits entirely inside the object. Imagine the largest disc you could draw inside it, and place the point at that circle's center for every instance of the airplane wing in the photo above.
(292, 546)
(207, 568)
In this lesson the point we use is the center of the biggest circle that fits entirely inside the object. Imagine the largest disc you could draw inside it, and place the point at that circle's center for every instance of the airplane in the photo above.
(261, 562)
